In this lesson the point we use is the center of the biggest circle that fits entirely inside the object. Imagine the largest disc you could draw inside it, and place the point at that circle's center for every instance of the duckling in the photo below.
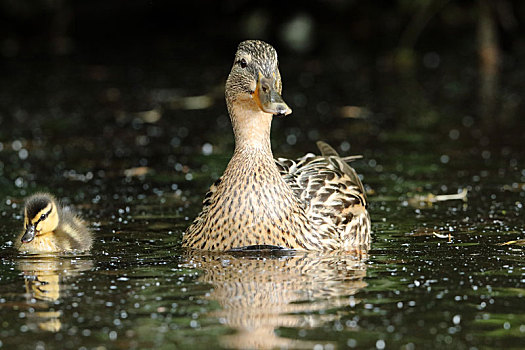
(50, 228)
(313, 203)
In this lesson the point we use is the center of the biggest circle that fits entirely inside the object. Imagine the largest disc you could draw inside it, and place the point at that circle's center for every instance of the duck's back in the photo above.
(332, 193)
(72, 233)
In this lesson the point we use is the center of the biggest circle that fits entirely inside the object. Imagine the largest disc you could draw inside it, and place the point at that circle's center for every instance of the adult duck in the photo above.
(313, 203)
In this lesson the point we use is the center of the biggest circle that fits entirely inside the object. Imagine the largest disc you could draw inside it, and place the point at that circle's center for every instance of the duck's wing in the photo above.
(328, 151)
(72, 232)
(329, 189)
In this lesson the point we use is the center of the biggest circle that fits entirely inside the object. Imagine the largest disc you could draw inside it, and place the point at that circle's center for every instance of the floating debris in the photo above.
(520, 242)
(432, 232)
(439, 235)
(446, 236)
(419, 201)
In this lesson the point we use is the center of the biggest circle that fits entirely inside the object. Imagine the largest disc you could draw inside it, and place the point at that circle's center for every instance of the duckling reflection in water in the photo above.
(47, 280)
(51, 228)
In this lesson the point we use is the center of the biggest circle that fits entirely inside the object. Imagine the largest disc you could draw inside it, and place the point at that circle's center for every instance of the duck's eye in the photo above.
(43, 217)
(243, 63)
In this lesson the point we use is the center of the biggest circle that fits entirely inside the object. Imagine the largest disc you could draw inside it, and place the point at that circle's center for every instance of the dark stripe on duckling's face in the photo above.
(32, 222)
(35, 205)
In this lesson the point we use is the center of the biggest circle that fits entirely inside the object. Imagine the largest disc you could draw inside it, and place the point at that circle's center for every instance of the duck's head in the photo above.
(40, 216)
(254, 81)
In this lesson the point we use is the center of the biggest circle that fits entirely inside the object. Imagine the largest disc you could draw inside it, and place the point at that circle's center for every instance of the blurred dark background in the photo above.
(90, 88)
(480, 44)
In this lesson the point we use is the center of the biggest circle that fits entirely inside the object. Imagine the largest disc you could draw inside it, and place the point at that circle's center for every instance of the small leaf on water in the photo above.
(516, 242)
(439, 235)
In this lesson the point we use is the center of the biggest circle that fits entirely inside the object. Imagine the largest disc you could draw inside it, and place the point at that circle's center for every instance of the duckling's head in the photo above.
(40, 216)
(255, 81)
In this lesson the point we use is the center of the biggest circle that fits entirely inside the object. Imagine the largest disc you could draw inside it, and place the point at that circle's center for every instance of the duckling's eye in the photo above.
(243, 63)
(43, 217)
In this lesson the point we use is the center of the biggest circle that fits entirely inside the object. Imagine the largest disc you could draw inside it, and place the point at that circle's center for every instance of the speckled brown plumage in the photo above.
(314, 203)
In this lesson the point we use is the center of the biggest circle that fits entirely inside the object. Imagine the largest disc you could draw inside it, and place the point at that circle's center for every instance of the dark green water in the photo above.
(84, 124)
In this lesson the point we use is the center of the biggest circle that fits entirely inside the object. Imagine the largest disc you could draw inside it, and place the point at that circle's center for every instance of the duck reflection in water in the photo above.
(260, 292)
(48, 280)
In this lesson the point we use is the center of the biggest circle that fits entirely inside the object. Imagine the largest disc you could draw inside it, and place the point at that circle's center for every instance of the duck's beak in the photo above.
(268, 99)
(29, 235)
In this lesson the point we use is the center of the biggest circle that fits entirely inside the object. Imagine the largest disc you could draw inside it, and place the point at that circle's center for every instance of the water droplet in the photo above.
(23, 154)
(16, 145)
(456, 319)
(345, 146)
(207, 149)
(19, 182)
(453, 134)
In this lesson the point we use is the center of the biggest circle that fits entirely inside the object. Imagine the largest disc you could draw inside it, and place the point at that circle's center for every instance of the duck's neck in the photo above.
(251, 128)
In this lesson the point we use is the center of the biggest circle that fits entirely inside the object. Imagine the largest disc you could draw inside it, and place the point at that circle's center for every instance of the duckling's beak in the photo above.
(29, 235)
(268, 99)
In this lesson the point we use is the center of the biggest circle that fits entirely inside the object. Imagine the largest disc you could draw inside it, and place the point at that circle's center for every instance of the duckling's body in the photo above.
(314, 203)
(50, 228)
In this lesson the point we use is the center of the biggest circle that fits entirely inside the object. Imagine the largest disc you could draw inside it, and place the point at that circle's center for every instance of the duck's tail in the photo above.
(327, 151)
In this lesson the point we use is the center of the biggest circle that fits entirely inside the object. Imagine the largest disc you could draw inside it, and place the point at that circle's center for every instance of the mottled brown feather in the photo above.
(313, 203)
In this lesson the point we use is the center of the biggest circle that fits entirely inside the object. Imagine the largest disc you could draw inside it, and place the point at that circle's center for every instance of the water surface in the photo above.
(134, 157)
